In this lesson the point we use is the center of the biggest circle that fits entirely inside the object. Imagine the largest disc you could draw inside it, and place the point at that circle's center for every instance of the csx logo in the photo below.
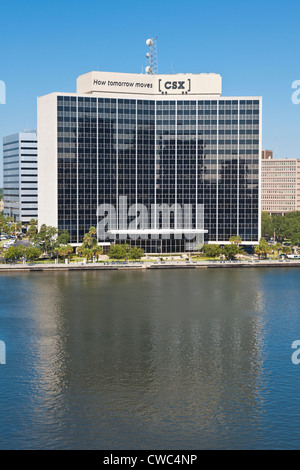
(183, 85)
(174, 85)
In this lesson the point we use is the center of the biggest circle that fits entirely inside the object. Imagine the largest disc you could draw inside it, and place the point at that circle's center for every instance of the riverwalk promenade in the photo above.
(114, 265)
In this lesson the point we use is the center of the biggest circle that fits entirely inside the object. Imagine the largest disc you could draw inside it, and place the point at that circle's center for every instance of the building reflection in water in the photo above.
(127, 358)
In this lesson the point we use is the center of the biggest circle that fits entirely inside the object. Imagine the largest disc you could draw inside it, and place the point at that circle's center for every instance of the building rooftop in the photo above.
(173, 84)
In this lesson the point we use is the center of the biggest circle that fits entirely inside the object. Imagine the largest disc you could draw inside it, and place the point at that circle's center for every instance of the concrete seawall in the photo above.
(5, 268)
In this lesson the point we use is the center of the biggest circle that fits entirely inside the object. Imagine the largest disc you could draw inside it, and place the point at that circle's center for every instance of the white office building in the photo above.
(20, 196)
(163, 162)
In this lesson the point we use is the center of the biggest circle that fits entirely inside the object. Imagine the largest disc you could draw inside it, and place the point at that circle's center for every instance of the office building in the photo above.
(20, 176)
(266, 154)
(163, 162)
(280, 184)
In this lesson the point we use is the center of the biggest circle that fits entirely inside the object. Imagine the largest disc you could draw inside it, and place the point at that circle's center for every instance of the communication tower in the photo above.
(152, 67)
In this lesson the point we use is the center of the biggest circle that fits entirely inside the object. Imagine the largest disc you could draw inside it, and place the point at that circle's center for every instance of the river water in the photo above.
(161, 359)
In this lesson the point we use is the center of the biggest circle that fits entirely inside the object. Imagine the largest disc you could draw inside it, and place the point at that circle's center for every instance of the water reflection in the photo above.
(145, 360)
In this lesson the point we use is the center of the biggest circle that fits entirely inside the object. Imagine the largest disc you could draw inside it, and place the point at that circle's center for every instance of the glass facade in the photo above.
(140, 164)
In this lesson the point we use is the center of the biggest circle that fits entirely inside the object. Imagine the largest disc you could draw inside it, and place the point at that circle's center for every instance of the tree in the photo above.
(65, 250)
(19, 250)
(79, 250)
(89, 246)
(88, 241)
(267, 226)
(295, 239)
(277, 247)
(136, 253)
(85, 252)
(262, 249)
(70, 251)
(31, 231)
(286, 226)
(5, 229)
(32, 253)
(117, 251)
(88, 254)
(4, 224)
(211, 251)
(63, 237)
(97, 250)
(46, 239)
(16, 227)
(235, 239)
(230, 251)
(93, 231)
(13, 253)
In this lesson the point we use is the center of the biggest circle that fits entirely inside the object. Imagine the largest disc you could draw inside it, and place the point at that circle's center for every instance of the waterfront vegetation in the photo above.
(228, 251)
(8, 226)
(48, 245)
(89, 248)
(124, 251)
(281, 227)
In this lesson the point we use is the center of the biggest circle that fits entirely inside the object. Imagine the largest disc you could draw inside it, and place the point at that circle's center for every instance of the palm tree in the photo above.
(31, 231)
(236, 239)
(87, 253)
(63, 251)
(286, 249)
(262, 248)
(79, 250)
(277, 247)
(70, 250)
(257, 251)
(92, 231)
(98, 250)
(87, 240)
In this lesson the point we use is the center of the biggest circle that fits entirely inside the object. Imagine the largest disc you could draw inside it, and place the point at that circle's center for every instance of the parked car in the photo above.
(289, 256)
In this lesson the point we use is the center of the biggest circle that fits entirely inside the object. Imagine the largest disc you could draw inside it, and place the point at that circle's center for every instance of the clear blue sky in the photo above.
(254, 46)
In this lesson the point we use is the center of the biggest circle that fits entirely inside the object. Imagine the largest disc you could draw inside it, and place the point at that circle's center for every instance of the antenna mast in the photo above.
(152, 68)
